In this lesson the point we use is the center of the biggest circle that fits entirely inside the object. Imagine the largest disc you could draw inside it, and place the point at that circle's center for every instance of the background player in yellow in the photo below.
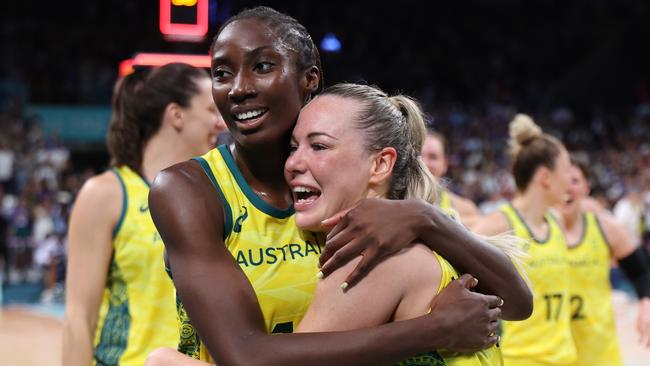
(265, 68)
(353, 142)
(595, 239)
(434, 156)
(540, 165)
(119, 301)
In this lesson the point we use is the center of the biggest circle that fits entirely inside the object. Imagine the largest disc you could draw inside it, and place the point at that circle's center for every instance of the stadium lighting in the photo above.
(185, 31)
(158, 59)
(330, 43)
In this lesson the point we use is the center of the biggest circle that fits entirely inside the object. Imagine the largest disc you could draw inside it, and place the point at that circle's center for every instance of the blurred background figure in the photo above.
(435, 158)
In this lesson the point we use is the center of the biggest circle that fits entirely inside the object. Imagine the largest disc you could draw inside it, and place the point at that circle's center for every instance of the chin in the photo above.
(308, 224)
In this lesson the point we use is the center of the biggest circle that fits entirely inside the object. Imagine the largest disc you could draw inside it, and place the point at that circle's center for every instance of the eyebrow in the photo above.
(316, 134)
(253, 52)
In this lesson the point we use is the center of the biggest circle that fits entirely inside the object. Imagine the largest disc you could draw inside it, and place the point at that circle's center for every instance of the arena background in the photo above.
(580, 68)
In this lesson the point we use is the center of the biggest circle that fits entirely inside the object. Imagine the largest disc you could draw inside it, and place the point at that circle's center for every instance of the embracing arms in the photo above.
(224, 309)
(377, 227)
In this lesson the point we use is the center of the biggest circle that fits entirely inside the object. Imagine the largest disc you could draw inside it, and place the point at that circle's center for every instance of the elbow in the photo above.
(520, 307)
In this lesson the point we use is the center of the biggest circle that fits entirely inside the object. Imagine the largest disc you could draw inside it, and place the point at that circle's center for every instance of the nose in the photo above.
(219, 123)
(295, 163)
(242, 88)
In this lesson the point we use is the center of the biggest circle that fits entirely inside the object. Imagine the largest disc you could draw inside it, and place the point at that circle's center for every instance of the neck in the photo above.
(262, 164)
(159, 154)
(572, 218)
(532, 205)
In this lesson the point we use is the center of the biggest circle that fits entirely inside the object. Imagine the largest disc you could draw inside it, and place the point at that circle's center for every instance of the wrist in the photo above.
(424, 217)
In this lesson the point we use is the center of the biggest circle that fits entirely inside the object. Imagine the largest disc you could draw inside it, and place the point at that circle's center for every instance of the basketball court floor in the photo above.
(31, 335)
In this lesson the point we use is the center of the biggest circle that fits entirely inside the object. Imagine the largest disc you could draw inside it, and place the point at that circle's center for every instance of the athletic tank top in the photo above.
(444, 202)
(592, 315)
(137, 313)
(544, 338)
(487, 357)
(280, 261)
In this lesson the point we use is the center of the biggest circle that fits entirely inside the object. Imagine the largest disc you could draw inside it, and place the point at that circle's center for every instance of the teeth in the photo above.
(301, 189)
(249, 114)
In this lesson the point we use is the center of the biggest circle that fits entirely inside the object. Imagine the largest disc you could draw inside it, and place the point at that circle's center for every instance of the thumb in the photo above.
(468, 281)
(331, 221)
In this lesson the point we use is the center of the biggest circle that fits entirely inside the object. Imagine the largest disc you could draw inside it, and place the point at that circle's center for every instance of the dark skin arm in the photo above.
(369, 230)
(222, 303)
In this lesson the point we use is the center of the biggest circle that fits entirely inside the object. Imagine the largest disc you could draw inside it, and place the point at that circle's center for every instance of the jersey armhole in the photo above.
(602, 232)
(227, 212)
(125, 203)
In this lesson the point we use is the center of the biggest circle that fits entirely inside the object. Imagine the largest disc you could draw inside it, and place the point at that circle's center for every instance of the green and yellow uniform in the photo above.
(544, 338)
(487, 357)
(279, 260)
(137, 313)
(592, 315)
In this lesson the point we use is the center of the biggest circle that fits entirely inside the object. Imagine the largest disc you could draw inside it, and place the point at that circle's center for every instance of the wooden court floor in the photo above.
(28, 338)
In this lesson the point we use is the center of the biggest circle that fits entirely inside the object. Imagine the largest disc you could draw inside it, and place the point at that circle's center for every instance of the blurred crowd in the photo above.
(38, 184)
(39, 181)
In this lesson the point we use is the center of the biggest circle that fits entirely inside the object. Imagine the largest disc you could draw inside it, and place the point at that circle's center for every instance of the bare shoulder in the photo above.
(492, 224)
(103, 190)
(181, 175)
(617, 237)
(464, 206)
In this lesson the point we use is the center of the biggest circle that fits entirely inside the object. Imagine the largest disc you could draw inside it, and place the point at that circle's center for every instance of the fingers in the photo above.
(468, 281)
(494, 301)
(368, 260)
(339, 256)
(494, 314)
(333, 222)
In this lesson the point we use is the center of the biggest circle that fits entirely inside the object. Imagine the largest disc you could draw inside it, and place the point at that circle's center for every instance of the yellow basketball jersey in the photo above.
(137, 313)
(280, 261)
(444, 202)
(544, 338)
(592, 316)
(487, 357)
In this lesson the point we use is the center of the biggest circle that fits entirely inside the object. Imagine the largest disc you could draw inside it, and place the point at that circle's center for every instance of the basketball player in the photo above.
(434, 156)
(540, 165)
(594, 240)
(243, 269)
(119, 300)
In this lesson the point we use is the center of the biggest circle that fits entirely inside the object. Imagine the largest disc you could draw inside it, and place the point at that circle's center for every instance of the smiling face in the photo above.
(329, 168)
(578, 189)
(256, 83)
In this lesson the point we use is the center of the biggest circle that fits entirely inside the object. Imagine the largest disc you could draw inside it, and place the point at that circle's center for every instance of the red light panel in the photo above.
(196, 30)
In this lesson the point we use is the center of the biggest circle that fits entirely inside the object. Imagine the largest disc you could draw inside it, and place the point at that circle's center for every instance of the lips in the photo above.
(304, 197)
(250, 119)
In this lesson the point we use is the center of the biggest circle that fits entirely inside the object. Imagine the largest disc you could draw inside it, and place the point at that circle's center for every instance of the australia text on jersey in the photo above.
(271, 255)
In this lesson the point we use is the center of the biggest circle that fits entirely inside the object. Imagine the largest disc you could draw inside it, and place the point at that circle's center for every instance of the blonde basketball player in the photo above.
(120, 303)
(540, 165)
(352, 142)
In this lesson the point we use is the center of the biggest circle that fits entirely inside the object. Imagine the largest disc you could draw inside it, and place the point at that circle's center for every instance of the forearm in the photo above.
(77, 344)
(468, 253)
(383, 345)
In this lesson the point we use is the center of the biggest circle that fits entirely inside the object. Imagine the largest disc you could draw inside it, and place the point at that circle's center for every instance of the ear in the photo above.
(311, 80)
(382, 165)
(175, 116)
(543, 176)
